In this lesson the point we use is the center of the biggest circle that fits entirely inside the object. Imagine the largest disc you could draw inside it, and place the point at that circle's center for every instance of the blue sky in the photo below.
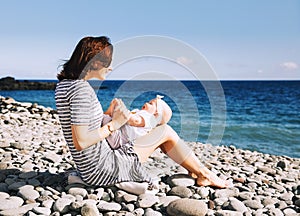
(240, 39)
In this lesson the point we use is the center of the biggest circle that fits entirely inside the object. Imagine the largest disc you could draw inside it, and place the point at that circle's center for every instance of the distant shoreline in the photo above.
(10, 83)
(123, 80)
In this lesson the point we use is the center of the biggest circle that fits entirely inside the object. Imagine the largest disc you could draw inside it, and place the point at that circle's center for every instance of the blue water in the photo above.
(257, 115)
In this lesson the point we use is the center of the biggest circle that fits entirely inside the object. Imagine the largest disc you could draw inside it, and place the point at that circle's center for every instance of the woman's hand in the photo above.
(111, 107)
(120, 115)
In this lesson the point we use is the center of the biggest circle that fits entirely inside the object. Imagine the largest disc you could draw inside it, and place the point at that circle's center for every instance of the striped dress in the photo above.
(77, 104)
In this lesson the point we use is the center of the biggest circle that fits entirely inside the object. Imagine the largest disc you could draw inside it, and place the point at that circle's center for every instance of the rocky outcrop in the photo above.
(10, 83)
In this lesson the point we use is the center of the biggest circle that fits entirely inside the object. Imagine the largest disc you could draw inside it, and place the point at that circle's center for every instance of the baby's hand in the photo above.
(120, 115)
(111, 107)
(113, 103)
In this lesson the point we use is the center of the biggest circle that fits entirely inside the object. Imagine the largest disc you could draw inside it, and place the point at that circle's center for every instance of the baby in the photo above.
(153, 113)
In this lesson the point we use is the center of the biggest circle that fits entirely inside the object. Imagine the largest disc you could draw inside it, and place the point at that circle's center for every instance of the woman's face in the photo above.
(99, 74)
(150, 106)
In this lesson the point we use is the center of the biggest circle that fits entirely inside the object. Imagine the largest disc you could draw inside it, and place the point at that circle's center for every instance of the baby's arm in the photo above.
(136, 120)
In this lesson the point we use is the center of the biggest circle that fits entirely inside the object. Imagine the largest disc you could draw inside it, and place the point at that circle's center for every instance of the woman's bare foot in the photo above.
(213, 180)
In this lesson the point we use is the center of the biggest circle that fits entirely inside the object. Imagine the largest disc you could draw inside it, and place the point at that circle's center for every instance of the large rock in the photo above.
(9, 83)
(187, 207)
(181, 180)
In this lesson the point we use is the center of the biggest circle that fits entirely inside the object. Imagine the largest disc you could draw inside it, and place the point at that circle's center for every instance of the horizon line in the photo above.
(49, 79)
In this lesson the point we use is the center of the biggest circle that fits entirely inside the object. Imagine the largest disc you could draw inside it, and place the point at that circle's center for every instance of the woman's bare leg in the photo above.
(167, 139)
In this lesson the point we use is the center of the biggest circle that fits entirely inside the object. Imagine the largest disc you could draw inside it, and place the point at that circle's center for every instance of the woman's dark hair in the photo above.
(88, 50)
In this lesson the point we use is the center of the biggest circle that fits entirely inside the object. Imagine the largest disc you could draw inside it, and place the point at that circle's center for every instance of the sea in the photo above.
(262, 116)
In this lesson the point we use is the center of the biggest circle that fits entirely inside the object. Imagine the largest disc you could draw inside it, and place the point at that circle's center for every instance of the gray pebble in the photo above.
(89, 210)
(275, 211)
(52, 157)
(129, 198)
(12, 202)
(231, 192)
(34, 182)
(253, 204)
(15, 186)
(187, 207)
(269, 201)
(78, 191)
(48, 203)
(27, 192)
(19, 211)
(297, 202)
(18, 145)
(4, 195)
(42, 210)
(62, 205)
(146, 200)
(138, 212)
(129, 207)
(289, 212)
(203, 192)
(106, 197)
(151, 212)
(245, 195)
(108, 206)
(28, 175)
(181, 191)
(236, 205)
(165, 201)
(228, 213)
(286, 196)
(220, 201)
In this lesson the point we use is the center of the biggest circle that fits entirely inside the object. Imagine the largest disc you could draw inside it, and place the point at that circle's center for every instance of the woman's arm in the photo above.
(84, 138)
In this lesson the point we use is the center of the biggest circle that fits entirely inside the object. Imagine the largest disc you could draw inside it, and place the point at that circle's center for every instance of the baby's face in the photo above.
(150, 106)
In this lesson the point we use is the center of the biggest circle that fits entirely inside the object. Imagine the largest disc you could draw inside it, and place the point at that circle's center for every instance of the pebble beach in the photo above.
(35, 161)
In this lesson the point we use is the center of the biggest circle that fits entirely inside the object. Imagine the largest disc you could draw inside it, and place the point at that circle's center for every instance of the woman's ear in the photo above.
(96, 65)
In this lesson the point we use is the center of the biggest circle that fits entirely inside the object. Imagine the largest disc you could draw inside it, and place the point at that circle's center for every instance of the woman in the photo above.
(81, 116)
